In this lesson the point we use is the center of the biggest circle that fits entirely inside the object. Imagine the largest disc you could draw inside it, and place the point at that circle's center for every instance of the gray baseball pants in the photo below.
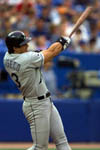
(44, 121)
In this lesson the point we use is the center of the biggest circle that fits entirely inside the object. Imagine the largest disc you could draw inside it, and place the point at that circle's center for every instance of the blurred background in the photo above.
(73, 77)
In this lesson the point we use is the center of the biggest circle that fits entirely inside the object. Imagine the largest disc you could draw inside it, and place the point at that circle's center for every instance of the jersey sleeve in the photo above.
(37, 59)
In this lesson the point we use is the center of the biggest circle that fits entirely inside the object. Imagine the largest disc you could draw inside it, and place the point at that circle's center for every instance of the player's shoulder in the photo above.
(33, 53)
(27, 54)
(6, 55)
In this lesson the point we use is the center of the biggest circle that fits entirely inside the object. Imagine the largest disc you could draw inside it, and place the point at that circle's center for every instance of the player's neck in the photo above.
(18, 52)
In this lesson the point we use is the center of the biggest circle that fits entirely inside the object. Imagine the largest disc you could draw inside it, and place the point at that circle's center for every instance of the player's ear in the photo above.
(16, 49)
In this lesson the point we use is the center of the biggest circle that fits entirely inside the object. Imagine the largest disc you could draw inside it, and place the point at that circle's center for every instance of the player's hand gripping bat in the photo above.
(81, 19)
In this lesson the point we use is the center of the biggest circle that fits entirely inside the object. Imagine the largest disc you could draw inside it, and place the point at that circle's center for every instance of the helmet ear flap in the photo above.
(9, 46)
(11, 50)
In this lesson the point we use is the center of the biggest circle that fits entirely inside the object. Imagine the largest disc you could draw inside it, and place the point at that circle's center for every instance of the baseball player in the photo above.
(24, 67)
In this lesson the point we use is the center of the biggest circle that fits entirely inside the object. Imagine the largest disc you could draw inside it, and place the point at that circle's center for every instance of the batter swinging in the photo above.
(25, 70)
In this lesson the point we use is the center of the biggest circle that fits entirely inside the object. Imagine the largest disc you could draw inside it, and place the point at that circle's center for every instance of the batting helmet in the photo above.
(16, 39)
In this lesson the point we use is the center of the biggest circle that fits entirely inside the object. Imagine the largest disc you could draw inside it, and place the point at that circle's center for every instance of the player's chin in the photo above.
(25, 50)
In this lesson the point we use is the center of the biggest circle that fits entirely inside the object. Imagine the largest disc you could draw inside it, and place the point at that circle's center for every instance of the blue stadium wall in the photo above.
(81, 120)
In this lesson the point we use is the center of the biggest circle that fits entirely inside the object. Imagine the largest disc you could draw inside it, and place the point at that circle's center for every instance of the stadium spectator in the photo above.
(41, 42)
(40, 28)
(67, 8)
(25, 6)
(55, 32)
(83, 3)
(78, 39)
(83, 47)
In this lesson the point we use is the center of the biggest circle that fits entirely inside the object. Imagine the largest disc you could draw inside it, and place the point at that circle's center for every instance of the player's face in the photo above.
(21, 49)
(24, 48)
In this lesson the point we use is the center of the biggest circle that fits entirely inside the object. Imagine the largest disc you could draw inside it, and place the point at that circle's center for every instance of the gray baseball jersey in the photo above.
(42, 115)
(25, 71)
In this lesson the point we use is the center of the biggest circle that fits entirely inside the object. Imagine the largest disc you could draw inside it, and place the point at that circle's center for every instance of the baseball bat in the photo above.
(81, 19)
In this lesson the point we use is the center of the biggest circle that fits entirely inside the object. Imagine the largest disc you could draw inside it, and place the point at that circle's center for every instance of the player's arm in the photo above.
(56, 48)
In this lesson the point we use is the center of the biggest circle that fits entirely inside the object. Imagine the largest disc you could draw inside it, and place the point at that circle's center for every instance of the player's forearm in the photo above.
(56, 48)
(52, 51)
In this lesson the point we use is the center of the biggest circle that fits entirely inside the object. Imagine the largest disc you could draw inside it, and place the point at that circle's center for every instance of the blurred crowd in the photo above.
(46, 20)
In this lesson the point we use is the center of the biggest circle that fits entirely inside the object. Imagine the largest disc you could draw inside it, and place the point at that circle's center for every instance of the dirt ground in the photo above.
(27, 145)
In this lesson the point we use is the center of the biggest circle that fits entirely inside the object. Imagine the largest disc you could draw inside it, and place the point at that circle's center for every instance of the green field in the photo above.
(54, 149)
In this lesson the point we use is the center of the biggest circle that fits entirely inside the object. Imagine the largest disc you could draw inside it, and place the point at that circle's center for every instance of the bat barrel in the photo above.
(81, 19)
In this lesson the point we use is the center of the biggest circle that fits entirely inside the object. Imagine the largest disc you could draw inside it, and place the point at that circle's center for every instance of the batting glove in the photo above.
(65, 41)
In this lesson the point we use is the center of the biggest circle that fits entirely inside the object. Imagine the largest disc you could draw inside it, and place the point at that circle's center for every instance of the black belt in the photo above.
(44, 96)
